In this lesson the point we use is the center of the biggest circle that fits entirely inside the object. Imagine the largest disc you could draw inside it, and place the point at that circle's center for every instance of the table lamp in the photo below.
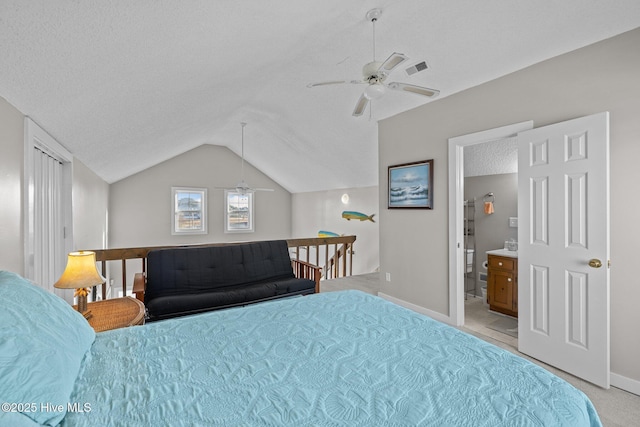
(80, 274)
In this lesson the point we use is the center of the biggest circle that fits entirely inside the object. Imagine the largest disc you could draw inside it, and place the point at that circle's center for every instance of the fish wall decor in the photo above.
(323, 233)
(349, 215)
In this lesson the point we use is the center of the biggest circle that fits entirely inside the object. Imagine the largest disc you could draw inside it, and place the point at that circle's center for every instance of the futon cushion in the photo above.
(202, 269)
(179, 305)
(43, 341)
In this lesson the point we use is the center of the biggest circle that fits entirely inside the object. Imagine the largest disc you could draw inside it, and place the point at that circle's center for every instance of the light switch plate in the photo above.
(513, 221)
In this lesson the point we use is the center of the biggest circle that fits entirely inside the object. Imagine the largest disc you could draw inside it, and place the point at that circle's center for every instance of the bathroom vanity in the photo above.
(502, 281)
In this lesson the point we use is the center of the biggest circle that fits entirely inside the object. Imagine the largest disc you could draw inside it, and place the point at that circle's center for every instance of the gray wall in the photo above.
(491, 231)
(322, 210)
(140, 205)
(600, 77)
(90, 198)
(11, 176)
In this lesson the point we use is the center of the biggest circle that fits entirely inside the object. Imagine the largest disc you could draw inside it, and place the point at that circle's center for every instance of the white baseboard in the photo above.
(418, 309)
(618, 381)
(626, 384)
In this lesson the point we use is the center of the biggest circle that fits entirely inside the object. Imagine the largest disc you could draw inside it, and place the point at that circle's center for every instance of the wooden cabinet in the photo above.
(502, 284)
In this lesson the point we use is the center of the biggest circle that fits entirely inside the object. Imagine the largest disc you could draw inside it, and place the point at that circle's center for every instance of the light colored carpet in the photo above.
(369, 283)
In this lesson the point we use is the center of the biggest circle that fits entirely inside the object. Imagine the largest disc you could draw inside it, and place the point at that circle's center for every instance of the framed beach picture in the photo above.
(411, 185)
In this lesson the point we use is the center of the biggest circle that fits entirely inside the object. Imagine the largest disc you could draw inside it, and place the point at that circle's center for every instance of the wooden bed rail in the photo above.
(331, 250)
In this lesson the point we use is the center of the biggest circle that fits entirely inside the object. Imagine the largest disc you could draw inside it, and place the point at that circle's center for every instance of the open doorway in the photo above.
(458, 235)
(557, 306)
(491, 233)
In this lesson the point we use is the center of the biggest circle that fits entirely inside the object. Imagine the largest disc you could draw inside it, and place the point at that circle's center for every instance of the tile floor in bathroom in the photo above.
(477, 316)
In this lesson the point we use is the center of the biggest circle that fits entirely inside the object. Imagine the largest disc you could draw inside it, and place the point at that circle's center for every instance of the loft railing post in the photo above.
(350, 259)
(104, 274)
(344, 261)
(327, 273)
(124, 277)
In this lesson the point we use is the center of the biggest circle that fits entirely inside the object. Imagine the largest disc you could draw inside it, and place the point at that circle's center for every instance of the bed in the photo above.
(334, 359)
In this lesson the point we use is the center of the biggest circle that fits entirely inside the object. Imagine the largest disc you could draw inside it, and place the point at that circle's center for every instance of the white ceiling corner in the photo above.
(126, 84)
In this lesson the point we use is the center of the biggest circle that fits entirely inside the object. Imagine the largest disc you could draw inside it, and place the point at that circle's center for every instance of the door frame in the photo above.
(36, 137)
(456, 209)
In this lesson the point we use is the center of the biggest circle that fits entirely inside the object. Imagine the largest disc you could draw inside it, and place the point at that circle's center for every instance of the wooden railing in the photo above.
(312, 250)
(339, 264)
(332, 270)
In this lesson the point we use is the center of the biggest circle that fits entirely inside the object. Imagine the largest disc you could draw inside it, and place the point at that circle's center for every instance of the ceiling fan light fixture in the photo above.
(374, 91)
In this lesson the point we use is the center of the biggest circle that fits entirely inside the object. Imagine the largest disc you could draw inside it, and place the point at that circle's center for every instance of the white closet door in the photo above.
(47, 208)
(48, 253)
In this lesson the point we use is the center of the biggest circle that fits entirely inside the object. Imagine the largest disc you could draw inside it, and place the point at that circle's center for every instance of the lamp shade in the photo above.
(374, 91)
(80, 272)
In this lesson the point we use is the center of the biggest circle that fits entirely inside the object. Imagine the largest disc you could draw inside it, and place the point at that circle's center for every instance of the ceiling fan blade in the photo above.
(335, 82)
(244, 188)
(392, 62)
(418, 90)
(361, 105)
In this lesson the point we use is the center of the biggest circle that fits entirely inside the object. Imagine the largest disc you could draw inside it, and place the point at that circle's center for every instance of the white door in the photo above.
(48, 219)
(563, 253)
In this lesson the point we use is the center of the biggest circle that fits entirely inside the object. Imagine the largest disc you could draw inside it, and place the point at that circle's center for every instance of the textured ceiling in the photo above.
(491, 158)
(127, 84)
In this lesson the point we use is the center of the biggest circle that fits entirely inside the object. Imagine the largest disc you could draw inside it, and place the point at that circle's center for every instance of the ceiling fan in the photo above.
(242, 187)
(375, 73)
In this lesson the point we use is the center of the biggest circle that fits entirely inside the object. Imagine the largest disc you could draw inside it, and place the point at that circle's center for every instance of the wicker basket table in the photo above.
(115, 313)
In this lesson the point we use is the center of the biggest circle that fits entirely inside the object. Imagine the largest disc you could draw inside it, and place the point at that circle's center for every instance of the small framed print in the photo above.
(411, 185)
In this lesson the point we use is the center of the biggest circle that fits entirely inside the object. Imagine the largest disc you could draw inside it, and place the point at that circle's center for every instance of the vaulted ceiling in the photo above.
(125, 84)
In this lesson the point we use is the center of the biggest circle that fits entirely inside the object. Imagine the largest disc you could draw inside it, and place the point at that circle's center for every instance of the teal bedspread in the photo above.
(334, 359)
